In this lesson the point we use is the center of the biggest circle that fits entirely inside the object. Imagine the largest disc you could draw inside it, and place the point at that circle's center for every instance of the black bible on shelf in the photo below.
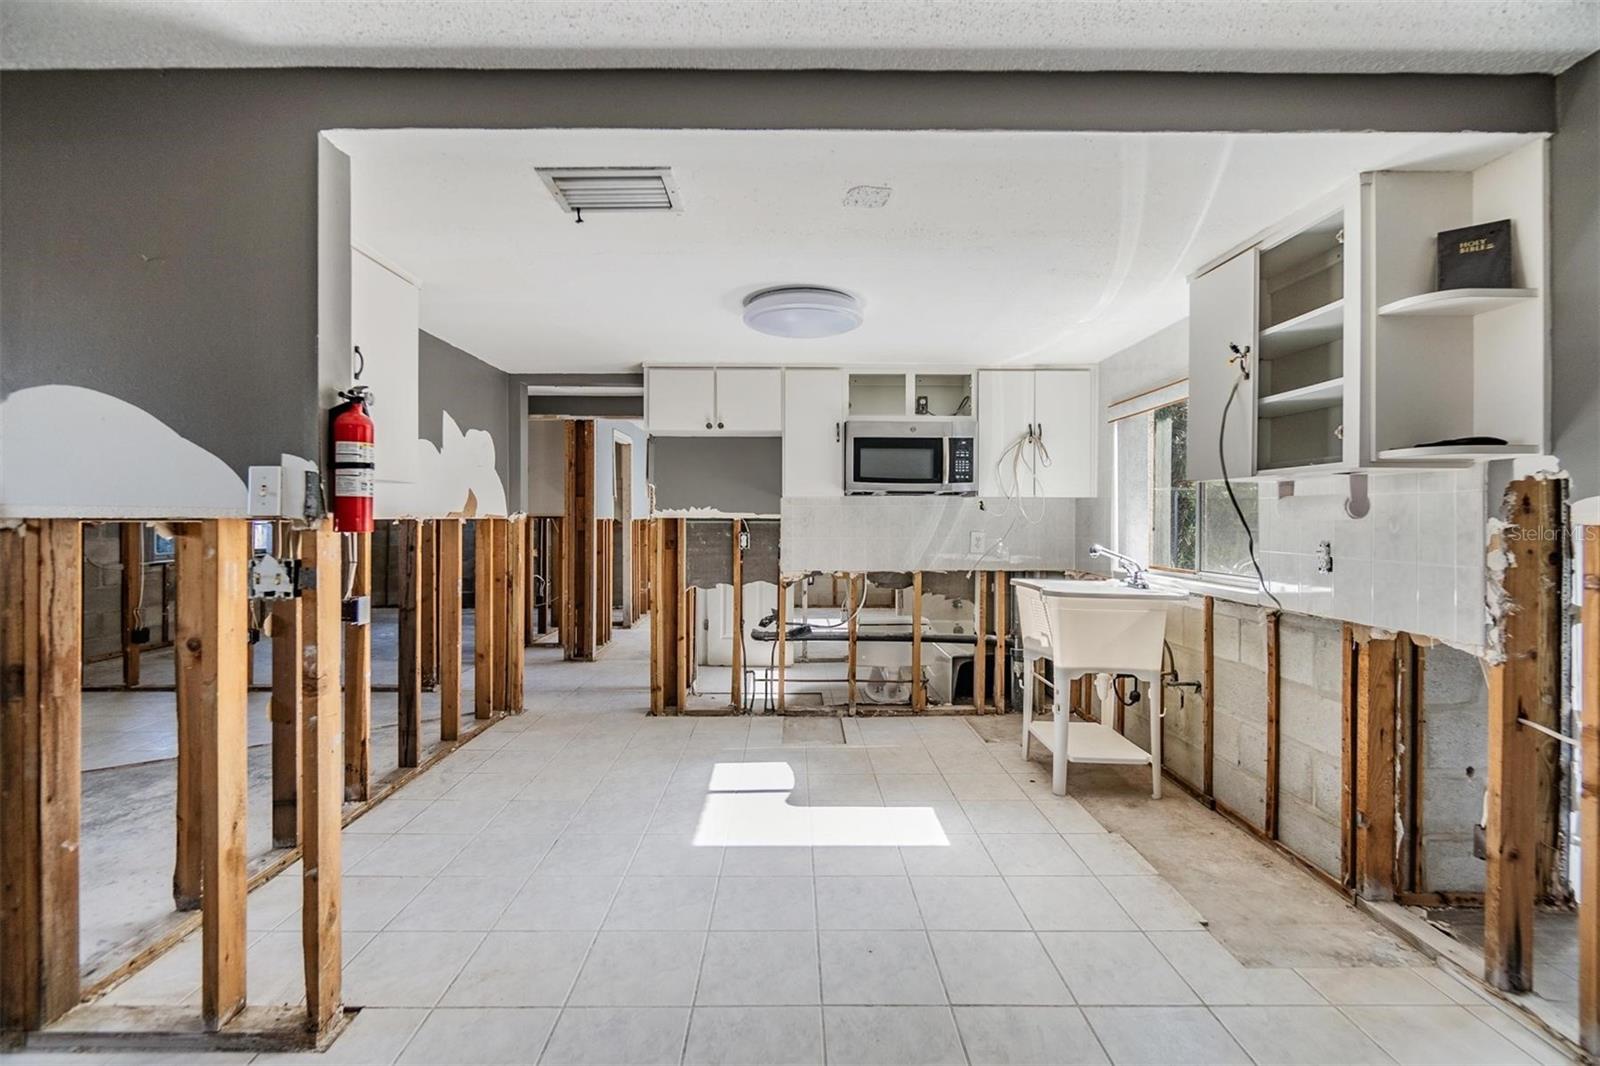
(1476, 257)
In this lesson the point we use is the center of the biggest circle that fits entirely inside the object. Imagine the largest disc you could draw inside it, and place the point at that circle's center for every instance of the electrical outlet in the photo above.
(976, 541)
(1324, 557)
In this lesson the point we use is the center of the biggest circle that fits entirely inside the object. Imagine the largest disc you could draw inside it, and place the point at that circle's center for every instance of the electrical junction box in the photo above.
(293, 490)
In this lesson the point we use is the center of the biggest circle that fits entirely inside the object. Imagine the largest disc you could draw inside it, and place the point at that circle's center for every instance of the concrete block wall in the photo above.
(102, 593)
(1239, 725)
(1455, 753)
(1310, 737)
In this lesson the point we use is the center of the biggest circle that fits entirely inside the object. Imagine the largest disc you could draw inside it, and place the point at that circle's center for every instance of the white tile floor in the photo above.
(565, 890)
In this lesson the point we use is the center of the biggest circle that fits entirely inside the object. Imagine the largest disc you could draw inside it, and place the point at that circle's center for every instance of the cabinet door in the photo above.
(1005, 411)
(681, 399)
(813, 432)
(1064, 414)
(383, 324)
(1222, 311)
(750, 399)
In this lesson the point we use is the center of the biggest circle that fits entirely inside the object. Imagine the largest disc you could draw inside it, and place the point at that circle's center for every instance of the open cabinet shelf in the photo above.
(1457, 452)
(1322, 325)
(1322, 394)
(1458, 302)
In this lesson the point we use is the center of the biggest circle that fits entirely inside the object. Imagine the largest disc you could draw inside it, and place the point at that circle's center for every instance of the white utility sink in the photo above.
(1086, 628)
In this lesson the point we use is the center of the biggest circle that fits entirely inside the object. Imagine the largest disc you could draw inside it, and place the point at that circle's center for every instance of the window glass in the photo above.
(1223, 546)
(1193, 526)
(1174, 530)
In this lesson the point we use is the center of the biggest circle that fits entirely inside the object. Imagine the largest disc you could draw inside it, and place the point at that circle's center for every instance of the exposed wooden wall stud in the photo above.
(483, 619)
(1270, 822)
(1589, 798)
(409, 646)
(449, 548)
(428, 588)
(189, 556)
(919, 690)
(224, 695)
(321, 781)
(736, 691)
(131, 544)
(41, 675)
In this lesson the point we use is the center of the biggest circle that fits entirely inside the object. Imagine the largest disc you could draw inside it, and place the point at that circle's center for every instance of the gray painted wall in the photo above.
(161, 226)
(474, 393)
(546, 477)
(605, 443)
(1575, 277)
(731, 475)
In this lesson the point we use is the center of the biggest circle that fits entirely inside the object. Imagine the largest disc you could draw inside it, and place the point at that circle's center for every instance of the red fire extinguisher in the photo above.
(353, 461)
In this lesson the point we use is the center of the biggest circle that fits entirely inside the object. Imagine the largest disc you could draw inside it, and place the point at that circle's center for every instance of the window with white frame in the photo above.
(1193, 525)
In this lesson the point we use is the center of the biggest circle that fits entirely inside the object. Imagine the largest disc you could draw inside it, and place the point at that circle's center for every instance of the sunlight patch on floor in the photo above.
(747, 806)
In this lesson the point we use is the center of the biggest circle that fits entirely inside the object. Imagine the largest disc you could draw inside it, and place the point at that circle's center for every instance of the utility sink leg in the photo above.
(1058, 760)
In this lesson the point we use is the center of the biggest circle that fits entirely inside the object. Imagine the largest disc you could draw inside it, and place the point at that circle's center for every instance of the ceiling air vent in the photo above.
(583, 189)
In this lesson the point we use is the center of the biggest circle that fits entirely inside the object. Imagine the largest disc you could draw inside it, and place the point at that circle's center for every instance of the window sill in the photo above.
(1220, 588)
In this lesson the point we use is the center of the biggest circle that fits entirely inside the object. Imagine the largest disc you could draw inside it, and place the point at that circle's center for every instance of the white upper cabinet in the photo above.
(681, 399)
(383, 324)
(813, 431)
(1222, 311)
(1358, 360)
(690, 400)
(1056, 407)
(1064, 419)
(750, 400)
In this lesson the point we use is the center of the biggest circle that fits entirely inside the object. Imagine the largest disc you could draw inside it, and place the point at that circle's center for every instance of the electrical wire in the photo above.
(1227, 483)
(1015, 507)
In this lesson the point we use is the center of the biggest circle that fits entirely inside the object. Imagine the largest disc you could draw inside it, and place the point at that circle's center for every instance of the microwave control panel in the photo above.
(961, 460)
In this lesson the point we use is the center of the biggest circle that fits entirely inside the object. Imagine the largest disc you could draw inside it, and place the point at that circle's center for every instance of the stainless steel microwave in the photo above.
(911, 455)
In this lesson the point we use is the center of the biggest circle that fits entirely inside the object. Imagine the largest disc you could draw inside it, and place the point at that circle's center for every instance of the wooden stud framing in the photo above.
(602, 581)
(188, 554)
(667, 683)
(782, 650)
(1410, 741)
(736, 692)
(131, 545)
(429, 604)
(409, 647)
(577, 550)
(1002, 622)
(1350, 656)
(1589, 798)
(980, 650)
(1208, 701)
(483, 619)
(224, 697)
(543, 590)
(41, 674)
(516, 613)
(850, 667)
(449, 549)
(1375, 755)
(283, 709)
(500, 593)
(1270, 821)
(358, 685)
(919, 691)
(320, 780)
(1522, 685)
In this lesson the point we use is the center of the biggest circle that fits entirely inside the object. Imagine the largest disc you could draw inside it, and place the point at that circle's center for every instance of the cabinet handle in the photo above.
(837, 431)
(708, 425)
(1041, 431)
(719, 425)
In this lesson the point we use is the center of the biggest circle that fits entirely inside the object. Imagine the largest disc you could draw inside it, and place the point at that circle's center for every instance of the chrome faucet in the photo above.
(1134, 573)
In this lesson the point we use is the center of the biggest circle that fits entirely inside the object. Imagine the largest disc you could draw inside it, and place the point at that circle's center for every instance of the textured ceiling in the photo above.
(991, 246)
(1444, 36)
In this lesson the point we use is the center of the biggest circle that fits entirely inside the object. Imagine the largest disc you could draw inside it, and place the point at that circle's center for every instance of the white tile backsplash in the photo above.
(903, 533)
(1414, 562)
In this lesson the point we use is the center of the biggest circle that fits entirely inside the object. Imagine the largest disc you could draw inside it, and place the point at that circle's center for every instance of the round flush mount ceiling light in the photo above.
(802, 311)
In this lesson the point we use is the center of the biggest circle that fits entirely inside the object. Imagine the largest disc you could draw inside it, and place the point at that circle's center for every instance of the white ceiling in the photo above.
(1448, 36)
(993, 247)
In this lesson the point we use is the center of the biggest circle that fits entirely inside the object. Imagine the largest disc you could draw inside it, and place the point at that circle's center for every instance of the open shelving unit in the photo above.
(1300, 341)
(1454, 363)
(894, 394)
